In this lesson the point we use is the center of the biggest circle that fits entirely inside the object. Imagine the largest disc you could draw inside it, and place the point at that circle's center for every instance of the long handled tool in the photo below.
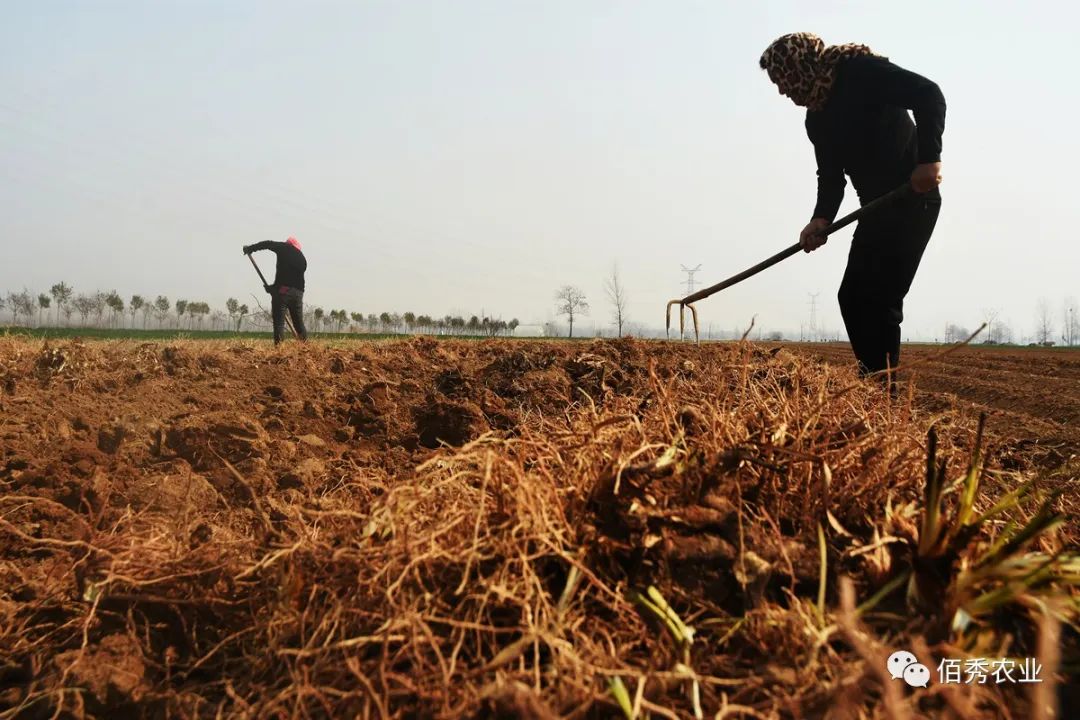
(687, 302)
(288, 320)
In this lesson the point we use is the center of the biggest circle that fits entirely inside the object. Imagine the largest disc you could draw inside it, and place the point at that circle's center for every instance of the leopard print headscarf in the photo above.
(804, 68)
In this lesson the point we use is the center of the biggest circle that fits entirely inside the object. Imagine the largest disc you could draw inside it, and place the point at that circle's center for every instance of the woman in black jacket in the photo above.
(287, 292)
(857, 118)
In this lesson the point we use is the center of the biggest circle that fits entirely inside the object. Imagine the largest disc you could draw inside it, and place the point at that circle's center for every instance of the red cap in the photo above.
(294, 242)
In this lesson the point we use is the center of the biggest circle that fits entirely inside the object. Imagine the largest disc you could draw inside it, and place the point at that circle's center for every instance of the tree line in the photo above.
(1047, 329)
(108, 309)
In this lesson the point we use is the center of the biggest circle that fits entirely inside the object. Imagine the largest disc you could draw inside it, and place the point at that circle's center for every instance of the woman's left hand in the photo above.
(926, 177)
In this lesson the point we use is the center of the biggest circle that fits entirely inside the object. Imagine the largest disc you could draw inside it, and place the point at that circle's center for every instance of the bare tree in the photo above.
(14, 307)
(196, 309)
(147, 309)
(99, 301)
(1072, 321)
(21, 303)
(1003, 333)
(617, 295)
(571, 303)
(1044, 324)
(61, 293)
(161, 309)
(136, 304)
(232, 305)
(43, 302)
(181, 308)
(116, 304)
(990, 316)
(84, 305)
(956, 333)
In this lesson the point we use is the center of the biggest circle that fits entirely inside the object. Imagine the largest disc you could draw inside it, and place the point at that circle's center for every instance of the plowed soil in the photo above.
(453, 529)
(1031, 395)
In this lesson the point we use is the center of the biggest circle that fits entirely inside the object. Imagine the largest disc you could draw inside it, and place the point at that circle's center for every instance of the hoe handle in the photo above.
(288, 320)
(256, 268)
(870, 207)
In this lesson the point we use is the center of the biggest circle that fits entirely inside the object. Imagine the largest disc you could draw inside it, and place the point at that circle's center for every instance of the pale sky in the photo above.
(469, 156)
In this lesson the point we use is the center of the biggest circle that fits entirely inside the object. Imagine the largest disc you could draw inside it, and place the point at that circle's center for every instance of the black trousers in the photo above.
(291, 300)
(885, 253)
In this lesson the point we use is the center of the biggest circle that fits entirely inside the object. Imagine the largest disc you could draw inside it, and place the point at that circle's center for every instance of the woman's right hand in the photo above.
(811, 238)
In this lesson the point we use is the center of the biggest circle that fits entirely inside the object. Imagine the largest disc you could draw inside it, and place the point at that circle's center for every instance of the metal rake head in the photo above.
(682, 317)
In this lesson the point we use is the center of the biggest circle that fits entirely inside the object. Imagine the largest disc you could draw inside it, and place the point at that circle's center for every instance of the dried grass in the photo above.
(495, 578)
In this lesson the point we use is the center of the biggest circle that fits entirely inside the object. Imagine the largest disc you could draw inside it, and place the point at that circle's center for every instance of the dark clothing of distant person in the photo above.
(287, 290)
(857, 119)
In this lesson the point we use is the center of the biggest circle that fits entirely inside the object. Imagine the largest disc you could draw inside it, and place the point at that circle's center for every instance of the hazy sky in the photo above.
(464, 156)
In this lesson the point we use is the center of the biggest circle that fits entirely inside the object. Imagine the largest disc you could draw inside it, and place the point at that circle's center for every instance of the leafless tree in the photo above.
(990, 316)
(232, 305)
(136, 304)
(617, 295)
(21, 303)
(571, 303)
(1003, 333)
(61, 293)
(99, 301)
(196, 310)
(1071, 318)
(84, 305)
(161, 309)
(1044, 324)
(181, 308)
(116, 304)
(43, 302)
(956, 333)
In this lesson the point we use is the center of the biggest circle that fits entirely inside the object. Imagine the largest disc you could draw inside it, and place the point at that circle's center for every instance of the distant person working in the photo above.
(287, 292)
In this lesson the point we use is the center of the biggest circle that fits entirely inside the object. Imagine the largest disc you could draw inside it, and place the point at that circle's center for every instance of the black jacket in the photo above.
(864, 130)
(291, 264)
